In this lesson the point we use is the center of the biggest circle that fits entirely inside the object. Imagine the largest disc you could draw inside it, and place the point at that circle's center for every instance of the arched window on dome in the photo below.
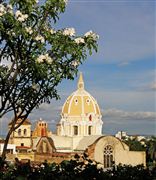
(108, 156)
(89, 130)
(25, 132)
(19, 132)
(75, 129)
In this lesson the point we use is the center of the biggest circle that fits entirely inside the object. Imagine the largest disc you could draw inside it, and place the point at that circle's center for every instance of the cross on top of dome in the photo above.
(80, 82)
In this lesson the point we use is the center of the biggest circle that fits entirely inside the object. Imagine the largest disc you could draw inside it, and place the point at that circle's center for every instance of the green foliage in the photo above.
(135, 145)
(148, 145)
(34, 56)
(78, 170)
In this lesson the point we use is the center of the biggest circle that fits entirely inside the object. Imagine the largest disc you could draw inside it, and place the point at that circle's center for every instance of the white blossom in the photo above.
(69, 32)
(21, 17)
(44, 58)
(66, 1)
(29, 30)
(10, 8)
(40, 38)
(99, 166)
(86, 162)
(2, 10)
(13, 34)
(42, 166)
(36, 1)
(48, 59)
(92, 34)
(18, 13)
(35, 86)
(79, 40)
(52, 31)
(75, 63)
(40, 59)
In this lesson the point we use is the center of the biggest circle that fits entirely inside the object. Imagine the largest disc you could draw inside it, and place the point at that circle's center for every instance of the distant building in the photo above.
(11, 148)
(121, 135)
(79, 130)
(21, 137)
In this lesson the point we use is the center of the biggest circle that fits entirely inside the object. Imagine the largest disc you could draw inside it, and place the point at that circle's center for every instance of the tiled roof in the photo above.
(86, 141)
(2, 141)
(23, 147)
(26, 122)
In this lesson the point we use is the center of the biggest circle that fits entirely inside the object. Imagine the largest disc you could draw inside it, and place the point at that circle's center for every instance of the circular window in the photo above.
(88, 101)
(76, 101)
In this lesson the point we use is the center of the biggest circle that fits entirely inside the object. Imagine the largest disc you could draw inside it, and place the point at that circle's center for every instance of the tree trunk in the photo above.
(12, 128)
(6, 144)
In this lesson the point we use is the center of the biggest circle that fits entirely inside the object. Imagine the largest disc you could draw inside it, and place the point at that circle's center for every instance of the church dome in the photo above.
(80, 103)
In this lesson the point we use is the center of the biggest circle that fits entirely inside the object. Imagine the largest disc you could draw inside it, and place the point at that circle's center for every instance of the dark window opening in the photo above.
(75, 130)
(89, 130)
(25, 132)
(19, 132)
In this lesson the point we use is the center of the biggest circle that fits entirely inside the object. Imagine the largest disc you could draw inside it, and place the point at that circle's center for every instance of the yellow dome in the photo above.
(80, 103)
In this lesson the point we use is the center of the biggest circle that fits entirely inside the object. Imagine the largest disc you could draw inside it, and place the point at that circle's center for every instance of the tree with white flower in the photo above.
(35, 56)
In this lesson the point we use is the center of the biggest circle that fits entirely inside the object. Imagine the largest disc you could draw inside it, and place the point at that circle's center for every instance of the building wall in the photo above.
(130, 157)
(11, 147)
(41, 129)
(22, 127)
(55, 157)
(22, 140)
(18, 137)
(66, 126)
(26, 156)
(121, 153)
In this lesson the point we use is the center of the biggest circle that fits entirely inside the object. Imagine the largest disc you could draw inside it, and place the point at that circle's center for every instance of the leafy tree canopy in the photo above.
(34, 56)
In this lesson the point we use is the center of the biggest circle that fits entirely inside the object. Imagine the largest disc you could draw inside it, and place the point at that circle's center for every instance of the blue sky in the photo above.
(121, 76)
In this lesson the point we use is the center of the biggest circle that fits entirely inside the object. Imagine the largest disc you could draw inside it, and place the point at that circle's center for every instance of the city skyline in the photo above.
(121, 75)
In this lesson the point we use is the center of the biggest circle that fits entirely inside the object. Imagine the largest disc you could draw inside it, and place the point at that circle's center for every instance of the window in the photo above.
(75, 130)
(76, 101)
(88, 101)
(90, 117)
(22, 144)
(25, 132)
(108, 156)
(19, 132)
(89, 130)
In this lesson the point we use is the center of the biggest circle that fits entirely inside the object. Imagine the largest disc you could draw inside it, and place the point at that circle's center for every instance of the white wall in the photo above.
(10, 146)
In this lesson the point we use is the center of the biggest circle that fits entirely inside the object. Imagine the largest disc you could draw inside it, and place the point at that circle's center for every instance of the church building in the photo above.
(79, 130)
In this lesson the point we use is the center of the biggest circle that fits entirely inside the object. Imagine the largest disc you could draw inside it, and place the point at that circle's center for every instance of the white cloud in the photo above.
(129, 100)
(153, 86)
(125, 115)
(123, 63)
(49, 107)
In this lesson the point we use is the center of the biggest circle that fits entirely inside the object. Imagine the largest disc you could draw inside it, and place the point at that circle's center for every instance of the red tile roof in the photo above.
(23, 147)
